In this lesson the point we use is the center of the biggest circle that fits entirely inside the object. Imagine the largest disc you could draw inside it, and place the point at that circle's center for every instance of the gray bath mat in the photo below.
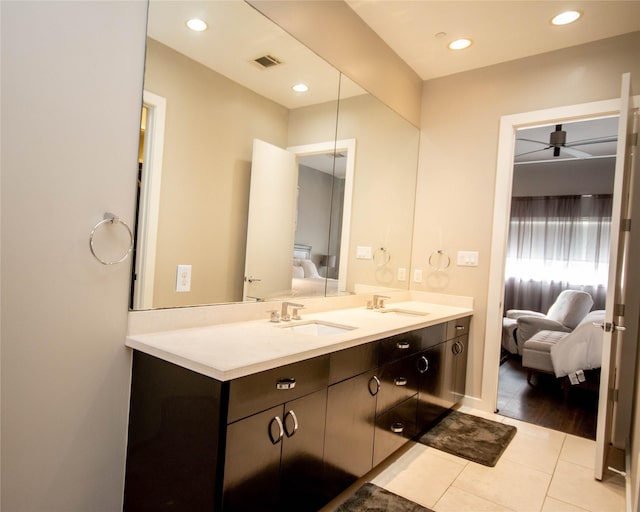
(470, 437)
(371, 498)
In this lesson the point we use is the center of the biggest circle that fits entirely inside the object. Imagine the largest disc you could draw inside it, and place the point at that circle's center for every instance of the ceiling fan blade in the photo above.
(596, 140)
(573, 152)
(535, 141)
(534, 151)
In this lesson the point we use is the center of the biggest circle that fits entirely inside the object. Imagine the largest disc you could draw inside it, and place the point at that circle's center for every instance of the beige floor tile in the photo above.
(422, 474)
(573, 483)
(457, 500)
(483, 414)
(553, 437)
(579, 450)
(509, 484)
(553, 505)
(533, 451)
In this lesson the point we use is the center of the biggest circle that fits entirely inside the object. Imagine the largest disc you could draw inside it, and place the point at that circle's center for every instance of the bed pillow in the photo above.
(310, 270)
(296, 262)
(298, 272)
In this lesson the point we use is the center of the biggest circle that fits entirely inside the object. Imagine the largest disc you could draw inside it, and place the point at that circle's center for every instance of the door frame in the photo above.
(501, 214)
(149, 203)
(348, 145)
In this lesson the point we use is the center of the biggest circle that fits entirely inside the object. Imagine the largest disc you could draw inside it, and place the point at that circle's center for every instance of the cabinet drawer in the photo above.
(434, 335)
(397, 347)
(394, 429)
(398, 381)
(352, 361)
(458, 327)
(254, 393)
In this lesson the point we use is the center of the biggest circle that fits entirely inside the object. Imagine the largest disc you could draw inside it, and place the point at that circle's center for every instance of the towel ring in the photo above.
(386, 257)
(110, 218)
(440, 253)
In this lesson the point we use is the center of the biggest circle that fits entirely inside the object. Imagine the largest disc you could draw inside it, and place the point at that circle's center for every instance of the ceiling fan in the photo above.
(558, 142)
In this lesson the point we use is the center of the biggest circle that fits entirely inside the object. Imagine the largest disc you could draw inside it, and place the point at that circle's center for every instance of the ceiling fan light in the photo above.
(460, 44)
(566, 17)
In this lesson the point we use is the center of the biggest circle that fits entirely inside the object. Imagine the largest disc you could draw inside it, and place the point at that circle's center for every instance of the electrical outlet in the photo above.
(402, 274)
(417, 275)
(183, 278)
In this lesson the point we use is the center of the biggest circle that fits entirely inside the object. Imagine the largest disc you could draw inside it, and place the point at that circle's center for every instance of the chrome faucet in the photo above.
(378, 301)
(285, 316)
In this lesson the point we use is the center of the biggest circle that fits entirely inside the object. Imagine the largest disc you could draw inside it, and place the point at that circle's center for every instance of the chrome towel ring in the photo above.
(381, 257)
(443, 260)
(110, 218)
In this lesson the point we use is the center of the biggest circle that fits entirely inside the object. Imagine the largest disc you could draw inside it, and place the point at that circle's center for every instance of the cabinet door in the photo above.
(351, 408)
(252, 462)
(394, 428)
(432, 391)
(302, 452)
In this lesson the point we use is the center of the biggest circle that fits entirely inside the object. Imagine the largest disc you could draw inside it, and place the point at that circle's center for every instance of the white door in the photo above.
(615, 350)
(271, 224)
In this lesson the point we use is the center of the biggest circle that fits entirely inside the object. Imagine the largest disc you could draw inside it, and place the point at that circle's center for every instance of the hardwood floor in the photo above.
(544, 404)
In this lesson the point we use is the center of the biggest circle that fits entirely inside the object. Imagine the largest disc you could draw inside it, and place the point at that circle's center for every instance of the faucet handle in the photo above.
(275, 316)
(294, 312)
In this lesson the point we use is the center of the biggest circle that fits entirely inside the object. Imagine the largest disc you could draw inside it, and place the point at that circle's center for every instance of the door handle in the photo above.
(423, 364)
(251, 279)
(609, 326)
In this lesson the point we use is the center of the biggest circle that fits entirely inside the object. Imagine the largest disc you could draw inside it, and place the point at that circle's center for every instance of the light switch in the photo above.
(417, 275)
(183, 278)
(364, 253)
(467, 258)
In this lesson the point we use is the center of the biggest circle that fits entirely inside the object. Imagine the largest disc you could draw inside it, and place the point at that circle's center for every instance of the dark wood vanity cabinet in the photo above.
(290, 438)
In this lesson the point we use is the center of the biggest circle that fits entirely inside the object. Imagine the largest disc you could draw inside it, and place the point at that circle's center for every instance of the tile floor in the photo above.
(542, 470)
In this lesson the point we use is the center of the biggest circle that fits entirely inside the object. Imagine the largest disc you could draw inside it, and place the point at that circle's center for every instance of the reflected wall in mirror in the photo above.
(208, 100)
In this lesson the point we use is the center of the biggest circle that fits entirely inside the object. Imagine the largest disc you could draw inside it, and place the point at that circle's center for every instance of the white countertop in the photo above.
(230, 350)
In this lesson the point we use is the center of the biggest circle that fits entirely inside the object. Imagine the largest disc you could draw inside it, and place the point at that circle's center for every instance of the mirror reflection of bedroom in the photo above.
(556, 274)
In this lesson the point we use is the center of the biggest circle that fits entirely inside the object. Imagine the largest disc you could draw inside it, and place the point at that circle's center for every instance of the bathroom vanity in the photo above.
(293, 423)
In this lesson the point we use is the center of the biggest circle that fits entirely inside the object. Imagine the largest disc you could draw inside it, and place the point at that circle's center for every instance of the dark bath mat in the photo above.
(470, 437)
(371, 498)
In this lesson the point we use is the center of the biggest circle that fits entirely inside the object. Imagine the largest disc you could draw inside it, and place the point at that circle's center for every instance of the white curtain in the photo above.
(557, 243)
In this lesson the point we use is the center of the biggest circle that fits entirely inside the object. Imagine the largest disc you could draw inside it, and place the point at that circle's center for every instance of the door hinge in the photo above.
(633, 139)
(618, 310)
(625, 225)
(614, 394)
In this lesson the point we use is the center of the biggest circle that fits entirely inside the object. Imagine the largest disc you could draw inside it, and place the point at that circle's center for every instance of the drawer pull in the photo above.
(423, 364)
(276, 439)
(376, 381)
(292, 415)
(397, 428)
(400, 381)
(403, 345)
(286, 383)
(459, 327)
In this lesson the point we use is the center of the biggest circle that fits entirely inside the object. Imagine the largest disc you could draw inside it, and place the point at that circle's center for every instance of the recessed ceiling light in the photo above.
(460, 44)
(300, 87)
(564, 18)
(197, 25)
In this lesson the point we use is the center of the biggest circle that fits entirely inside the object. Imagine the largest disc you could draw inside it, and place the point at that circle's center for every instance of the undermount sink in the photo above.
(316, 328)
(402, 312)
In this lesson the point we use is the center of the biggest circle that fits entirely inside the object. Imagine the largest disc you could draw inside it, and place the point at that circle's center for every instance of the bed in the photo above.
(306, 281)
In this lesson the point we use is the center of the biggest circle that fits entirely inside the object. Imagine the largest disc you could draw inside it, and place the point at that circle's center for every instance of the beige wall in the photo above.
(458, 148)
(71, 82)
(384, 182)
(210, 125)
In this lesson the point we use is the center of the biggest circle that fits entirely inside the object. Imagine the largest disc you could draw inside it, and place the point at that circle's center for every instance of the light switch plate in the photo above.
(364, 253)
(467, 258)
(183, 278)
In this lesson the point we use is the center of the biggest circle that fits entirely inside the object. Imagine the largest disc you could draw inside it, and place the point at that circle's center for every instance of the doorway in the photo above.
(562, 186)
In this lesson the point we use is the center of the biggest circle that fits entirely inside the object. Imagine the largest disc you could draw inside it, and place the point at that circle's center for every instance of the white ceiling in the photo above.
(501, 30)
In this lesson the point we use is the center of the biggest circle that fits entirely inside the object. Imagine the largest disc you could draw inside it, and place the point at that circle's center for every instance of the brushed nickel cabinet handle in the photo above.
(403, 345)
(375, 380)
(288, 383)
(292, 415)
(397, 428)
(423, 364)
(400, 381)
(278, 438)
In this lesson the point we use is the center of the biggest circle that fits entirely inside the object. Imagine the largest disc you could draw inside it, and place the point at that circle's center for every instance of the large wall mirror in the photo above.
(250, 190)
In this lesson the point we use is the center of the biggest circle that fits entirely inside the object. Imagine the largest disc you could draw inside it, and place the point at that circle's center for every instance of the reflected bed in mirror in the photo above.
(207, 100)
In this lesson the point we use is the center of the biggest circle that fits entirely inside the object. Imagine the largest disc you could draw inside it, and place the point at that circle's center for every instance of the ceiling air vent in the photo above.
(267, 61)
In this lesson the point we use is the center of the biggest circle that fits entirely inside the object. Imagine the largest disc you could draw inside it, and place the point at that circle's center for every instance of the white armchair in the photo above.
(570, 307)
